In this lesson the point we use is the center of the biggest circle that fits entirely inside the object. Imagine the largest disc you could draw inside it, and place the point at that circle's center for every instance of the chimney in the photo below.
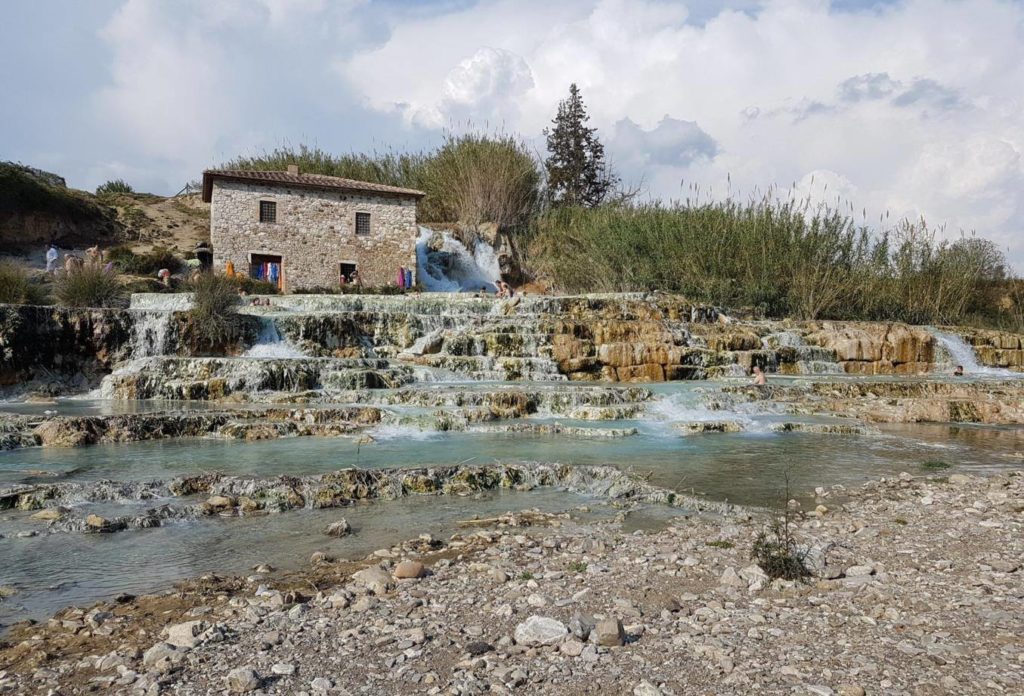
(293, 169)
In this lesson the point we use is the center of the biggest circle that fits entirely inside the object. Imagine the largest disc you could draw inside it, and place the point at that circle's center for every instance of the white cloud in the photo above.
(910, 107)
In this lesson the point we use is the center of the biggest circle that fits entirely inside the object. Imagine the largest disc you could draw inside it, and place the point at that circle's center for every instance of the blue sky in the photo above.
(910, 107)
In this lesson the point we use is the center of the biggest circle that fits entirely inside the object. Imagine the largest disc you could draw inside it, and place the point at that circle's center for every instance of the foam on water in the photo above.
(401, 432)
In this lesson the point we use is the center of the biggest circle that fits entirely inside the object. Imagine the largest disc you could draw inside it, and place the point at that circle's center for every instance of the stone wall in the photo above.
(314, 233)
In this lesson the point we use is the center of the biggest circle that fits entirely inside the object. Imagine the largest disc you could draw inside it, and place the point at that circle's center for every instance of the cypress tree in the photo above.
(577, 173)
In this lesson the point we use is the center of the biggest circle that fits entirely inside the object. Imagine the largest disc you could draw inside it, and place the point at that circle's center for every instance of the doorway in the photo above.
(268, 268)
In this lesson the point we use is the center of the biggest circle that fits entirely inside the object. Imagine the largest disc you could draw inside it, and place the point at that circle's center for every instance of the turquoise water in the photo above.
(51, 571)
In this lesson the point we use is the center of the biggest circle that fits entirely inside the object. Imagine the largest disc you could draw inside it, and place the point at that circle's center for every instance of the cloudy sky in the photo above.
(914, 107)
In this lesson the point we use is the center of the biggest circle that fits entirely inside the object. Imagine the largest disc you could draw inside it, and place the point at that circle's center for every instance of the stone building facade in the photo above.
(315, 228)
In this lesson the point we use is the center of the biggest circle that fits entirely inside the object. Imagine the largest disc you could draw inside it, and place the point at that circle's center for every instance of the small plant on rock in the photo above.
(777, 553)
(934, 465)
(775, 549)
(213, 323)
(578, 567)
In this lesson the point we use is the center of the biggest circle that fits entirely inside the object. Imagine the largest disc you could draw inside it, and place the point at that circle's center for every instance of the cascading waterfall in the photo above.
(452, 268)
(960, 353)
(150, 333)
(271, 345)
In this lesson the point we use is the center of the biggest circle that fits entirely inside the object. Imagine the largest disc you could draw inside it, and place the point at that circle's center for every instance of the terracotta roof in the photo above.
(313, 181)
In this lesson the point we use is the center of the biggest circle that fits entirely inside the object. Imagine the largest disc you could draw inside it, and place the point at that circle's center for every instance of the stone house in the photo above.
(308, 230)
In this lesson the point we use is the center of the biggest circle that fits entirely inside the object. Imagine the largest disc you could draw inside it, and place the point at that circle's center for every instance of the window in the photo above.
(268, 211)
(348, 273)
(362, 223)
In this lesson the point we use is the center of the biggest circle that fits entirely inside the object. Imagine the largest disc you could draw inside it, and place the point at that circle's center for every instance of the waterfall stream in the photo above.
(271, 345)
(452, 268)
(960, 353)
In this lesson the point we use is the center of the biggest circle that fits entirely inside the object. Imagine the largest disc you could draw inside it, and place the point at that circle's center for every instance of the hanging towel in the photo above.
(408, 279)
(275, 273)
(401, 277)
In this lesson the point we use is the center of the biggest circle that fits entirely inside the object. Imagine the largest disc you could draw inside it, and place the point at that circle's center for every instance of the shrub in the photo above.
(14, 283)
(781, 257)
(777, 554)
(147, 263)
(476, 178)
(254, 287)
(934, 465)
(577, 566)
(114, 186)
(213, 323)
(88, 286)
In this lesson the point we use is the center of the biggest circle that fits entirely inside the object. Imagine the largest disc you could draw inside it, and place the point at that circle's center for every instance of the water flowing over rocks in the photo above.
(915, 590)
(235, 495)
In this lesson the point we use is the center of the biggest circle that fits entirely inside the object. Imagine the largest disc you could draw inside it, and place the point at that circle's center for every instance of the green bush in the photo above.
(114, 186)
(777, 554)
(88, 286)
(213, 324)
(14, 283)
(252, 286)
(782, 258)
(476, 178)
(935, 465)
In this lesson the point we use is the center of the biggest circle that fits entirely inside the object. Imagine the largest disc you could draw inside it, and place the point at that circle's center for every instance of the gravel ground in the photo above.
(916, 590)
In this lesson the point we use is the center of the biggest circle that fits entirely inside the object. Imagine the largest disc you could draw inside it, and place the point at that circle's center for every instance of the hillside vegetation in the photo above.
(779, 257)
(37, 207)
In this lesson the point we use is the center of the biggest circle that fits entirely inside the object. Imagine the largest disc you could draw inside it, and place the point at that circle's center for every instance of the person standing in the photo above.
(52, 257)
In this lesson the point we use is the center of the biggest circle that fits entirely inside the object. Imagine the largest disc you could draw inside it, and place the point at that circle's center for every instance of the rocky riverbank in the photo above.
(915, 588)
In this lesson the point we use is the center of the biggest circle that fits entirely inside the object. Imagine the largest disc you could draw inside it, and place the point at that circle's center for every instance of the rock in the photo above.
(220, 502)
(960, 479)
(98, 523)
(243, 680)
(338, 529)
(185, 635)
(409, 569)
(731, 579)
(859, 571)
(646, 688)
(375, 579)
(540, 630)
(755, 577)
(571, 648)
(850, 690)
(580, 625)
(478, 647)
(161, 655)
(283, 669)
(609, 633)
(321, 685)
(47, 515)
